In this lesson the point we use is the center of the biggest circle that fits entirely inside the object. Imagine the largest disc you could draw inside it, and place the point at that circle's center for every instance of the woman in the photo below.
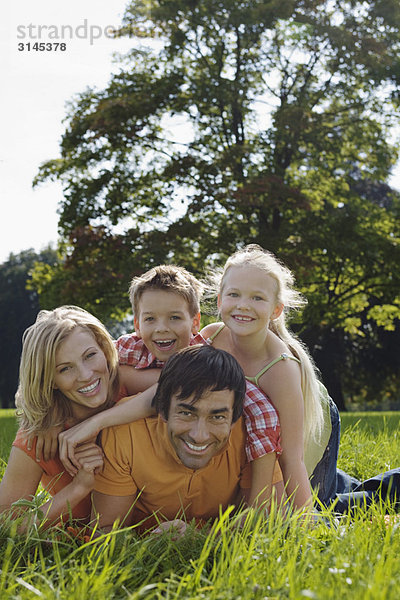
(68, 372)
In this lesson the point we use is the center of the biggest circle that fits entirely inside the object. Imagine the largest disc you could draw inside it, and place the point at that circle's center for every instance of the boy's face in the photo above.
(164, 322)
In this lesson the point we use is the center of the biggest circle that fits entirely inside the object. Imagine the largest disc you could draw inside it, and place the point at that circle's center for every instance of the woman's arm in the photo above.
(22, 477)
(125, 411)
(20, 480)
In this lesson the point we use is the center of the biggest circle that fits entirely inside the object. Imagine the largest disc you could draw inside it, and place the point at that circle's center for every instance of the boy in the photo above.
(166, 308)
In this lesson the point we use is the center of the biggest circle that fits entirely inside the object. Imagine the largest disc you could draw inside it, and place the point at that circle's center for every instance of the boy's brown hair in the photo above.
(169, 278)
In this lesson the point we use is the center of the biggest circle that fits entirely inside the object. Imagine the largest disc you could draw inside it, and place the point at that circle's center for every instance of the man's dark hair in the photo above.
(196, 370)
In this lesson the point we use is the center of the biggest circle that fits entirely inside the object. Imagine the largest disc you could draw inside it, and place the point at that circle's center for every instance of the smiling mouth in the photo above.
(90, 387)
(242, 318)
(164, 344)
(196, 448)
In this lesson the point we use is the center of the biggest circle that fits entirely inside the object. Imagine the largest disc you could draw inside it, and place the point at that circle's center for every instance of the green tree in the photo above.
(346, 263)
(238, 122)
(18, 309)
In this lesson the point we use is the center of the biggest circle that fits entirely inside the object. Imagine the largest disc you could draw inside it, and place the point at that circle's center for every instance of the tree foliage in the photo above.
(237, 122)
(347, 268)
(19, 306)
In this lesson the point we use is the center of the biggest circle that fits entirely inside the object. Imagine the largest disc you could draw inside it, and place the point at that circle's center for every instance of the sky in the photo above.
(35, 88)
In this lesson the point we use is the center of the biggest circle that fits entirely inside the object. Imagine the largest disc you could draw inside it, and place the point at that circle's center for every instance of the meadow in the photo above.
(356, 557)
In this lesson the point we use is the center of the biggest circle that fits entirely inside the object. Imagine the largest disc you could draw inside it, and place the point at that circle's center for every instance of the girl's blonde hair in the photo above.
(39, 405)
(255, 256)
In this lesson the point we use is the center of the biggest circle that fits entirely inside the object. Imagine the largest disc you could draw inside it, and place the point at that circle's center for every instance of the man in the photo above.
(189, 461)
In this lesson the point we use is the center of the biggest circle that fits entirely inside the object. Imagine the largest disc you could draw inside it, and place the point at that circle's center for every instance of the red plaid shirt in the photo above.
(133, 352)
(261, 418)
(262, 424)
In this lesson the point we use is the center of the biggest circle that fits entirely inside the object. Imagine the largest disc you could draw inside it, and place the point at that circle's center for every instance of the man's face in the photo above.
(200, 430)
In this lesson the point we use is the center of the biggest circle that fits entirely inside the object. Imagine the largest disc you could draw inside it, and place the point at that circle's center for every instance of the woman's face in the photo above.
(81, 372)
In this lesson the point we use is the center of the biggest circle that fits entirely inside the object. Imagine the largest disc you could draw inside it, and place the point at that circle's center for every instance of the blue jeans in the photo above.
(324, 478)
(351, 492)
(334, 485)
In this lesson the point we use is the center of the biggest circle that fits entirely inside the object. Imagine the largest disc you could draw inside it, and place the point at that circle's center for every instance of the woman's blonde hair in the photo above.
(255, 256)
(39, 405)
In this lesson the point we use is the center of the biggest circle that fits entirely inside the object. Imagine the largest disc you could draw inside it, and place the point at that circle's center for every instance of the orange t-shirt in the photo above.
(140, 461)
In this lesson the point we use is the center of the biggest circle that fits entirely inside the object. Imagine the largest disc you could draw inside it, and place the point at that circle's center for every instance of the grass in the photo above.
(350, 559)
(370, 443)
(8, 429)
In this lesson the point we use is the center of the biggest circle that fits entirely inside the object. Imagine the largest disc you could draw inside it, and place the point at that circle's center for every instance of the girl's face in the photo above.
(247, 301)
(81, 372)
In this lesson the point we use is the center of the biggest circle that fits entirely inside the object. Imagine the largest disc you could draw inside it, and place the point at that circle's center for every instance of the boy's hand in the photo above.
(90, 457)
(46, 444)
(70, 441)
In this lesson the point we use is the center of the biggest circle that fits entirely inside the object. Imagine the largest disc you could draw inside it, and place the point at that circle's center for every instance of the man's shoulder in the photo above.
(146, 424)
(136, 434)
(237, 437)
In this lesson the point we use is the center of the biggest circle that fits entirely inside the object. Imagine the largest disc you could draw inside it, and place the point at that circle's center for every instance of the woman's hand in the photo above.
(71, 440)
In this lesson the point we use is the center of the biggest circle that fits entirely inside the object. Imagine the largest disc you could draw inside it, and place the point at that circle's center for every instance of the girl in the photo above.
(68, 372)
(254, 292)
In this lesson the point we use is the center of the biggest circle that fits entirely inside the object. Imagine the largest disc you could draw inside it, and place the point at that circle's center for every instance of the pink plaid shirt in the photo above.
(261, 418)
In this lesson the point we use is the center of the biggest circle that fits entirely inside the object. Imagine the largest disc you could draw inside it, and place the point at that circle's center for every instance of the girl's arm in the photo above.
(283, 387)
(262, 470)
(125, 411)
(22, 477)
